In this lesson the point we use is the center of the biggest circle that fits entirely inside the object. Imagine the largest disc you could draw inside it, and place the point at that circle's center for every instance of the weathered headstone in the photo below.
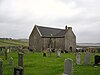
(1, 63)
(97, 60)
(59, 52)
(78, 58)
(87, 58)
(11, 61)
(20, 59)
(2, 53)
(68, 67)
(49, 52)
(25, 50)
(18, 71)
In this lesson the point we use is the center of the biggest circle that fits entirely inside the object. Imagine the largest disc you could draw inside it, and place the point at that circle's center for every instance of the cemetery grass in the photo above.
(36, 64)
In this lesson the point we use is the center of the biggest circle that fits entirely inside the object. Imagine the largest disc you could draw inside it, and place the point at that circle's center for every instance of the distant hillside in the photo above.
(25, 40)
(12, 42)
(89, 44)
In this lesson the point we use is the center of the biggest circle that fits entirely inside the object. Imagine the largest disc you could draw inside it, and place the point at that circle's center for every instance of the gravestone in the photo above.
(1, 63)
(20, 59)
(8, 50)
(25, 50)
(87, 58)
(78, 58)
(18, 71)
(59, 52)
(2, 53)
(68, 67)
(49, 52)
(11, 61)
(97, 60)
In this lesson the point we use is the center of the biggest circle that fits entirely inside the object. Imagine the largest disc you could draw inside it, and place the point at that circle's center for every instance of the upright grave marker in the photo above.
(68, 67)
(20, 59)
(49, 52)
(78, 58)
(2, 52)
(87, 58)
(20, 69)
(97, 60)
(11, 61)
(59, 52)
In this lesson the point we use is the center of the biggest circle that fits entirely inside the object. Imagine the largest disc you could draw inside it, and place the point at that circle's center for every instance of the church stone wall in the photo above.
(70, 40)
(60, 43)
(35, 41)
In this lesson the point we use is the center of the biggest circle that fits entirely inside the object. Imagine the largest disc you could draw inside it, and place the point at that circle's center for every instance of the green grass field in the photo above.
(36, 64)
(12, 42)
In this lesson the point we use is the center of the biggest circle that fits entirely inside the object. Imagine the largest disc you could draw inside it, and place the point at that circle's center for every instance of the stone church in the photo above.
(46, 37)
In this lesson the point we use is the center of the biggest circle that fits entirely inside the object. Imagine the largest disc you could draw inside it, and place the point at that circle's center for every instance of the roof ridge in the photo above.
(49, 27)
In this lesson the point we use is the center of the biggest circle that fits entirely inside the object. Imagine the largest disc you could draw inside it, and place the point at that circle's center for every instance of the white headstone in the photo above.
(68, 67)
(59, 52)
(8, 50)
(78, 58)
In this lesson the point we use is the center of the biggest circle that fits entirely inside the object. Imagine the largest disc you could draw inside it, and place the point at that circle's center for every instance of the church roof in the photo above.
(51, 32)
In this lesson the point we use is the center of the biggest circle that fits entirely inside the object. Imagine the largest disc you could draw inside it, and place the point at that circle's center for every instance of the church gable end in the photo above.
(70, 40)
(35, 39)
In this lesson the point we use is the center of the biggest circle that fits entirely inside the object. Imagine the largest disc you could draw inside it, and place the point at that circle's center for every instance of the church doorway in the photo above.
(70, 49)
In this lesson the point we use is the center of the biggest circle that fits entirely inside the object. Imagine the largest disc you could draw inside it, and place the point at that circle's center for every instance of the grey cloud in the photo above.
(19, 24)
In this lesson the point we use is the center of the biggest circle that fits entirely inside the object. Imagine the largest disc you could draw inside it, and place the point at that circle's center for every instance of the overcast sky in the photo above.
(18, 17)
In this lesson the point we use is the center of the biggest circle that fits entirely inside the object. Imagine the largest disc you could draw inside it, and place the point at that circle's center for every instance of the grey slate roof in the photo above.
(51, 32)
